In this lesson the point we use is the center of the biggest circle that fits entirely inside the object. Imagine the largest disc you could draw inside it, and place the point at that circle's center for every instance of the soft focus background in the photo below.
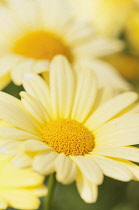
(113, 18)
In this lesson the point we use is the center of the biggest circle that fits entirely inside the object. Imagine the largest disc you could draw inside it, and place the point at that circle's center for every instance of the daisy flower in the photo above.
(109, 16)
(71, 127)
(33, 32)
(19, 188)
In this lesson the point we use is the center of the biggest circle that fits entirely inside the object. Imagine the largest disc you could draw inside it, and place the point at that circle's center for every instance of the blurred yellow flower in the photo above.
(132, 31)
(126, 64)
(109, 16)
(33, 32)
(19, 188)
(71, 127)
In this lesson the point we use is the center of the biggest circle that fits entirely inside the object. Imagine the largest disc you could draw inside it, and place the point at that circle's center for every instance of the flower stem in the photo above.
(49, 196)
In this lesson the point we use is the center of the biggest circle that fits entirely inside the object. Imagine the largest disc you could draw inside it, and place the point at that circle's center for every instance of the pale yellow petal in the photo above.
(34, 146)
(106, 74)
(35, 107)
(41, 66)
(37, 87)
(122, 131)
(22, 160)
(7, 63)
(128, 153)
(14, 133)
(61, 87)
(113, 168)
(26, 65)
(89, 169)
(3, 203)
(4, 81)
(85, 95)
(110, 109)
(65, 169)
(29, 20)
(130, 166)
(87, 190)
(9, 146)
(18, 177)
(12, 111)
(44, 163)
(21, 199)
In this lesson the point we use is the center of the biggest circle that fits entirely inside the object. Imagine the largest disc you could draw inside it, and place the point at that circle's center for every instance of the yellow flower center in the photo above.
(69, 137)
(41, 45)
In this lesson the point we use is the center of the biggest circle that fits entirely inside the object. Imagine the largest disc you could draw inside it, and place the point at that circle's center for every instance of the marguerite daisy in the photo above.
(33, 32)
(71, 127)
(19, 188)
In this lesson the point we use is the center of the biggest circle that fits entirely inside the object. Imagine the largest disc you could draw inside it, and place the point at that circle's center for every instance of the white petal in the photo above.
(85, 95)
(89, 169)
(65, 169)
(45, 163)
(61, 87)
(110, 109)
(113, 168)
(87, 190)
(12, 111)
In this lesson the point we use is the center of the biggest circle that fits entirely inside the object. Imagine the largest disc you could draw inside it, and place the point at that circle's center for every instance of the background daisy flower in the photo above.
(115, 18)
(19, 188)
(33, 32)
(69, 126)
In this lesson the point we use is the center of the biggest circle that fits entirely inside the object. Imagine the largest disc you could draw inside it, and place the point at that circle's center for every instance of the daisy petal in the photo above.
(21, 199)
(4, 81)
(61, 86)
(122, 131)
(20, 177)
(7, 63)
(34, 107)
(33, 145)
(65, 169)
(87, 190)
(31, 19)
(36, 86)
(113, 168)
(14, 133)
(86, 84)
(130, 166)
(9, 107)
(129, 153)
(22, 68)
(89, 169)
(110, 109)
(45, 162)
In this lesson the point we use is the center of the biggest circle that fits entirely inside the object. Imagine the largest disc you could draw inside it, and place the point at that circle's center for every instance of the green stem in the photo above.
(49, 196)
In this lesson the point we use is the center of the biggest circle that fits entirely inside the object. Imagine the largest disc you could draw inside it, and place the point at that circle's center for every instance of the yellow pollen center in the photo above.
(41, 45)
(69, 137)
